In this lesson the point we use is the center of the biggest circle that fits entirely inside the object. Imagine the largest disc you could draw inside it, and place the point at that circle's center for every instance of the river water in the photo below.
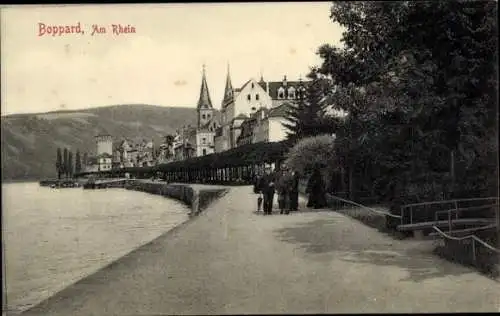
(55, 237)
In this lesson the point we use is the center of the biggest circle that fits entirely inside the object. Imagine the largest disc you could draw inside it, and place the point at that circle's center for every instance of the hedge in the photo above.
(249, 154)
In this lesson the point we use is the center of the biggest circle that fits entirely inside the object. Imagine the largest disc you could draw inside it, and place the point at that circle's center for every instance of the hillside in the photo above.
(30, 141)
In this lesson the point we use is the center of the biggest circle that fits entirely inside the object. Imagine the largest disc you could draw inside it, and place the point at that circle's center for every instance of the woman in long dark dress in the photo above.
(294, 191)
(316, 190)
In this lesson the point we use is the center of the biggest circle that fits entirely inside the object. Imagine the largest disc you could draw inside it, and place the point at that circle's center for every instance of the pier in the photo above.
(231, 260)
(60, 183)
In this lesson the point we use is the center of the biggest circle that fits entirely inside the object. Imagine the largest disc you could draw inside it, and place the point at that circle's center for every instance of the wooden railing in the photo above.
(408, 211)
(457, 211)
(490, 259)
(349, 202)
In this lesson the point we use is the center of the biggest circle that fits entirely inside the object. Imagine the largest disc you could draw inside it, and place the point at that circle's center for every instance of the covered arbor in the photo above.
(237, 165)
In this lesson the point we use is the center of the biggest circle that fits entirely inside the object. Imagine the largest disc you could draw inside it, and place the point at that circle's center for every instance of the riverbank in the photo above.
(195, 196)
(10, 181)
(232, 260)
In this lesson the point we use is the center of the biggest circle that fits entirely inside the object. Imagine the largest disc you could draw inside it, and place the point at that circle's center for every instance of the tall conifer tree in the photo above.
(70, 164)
(65, 168)
(78, 162)
(59, 163)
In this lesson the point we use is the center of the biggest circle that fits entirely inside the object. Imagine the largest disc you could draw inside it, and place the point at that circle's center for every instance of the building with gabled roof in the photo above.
(104, 161)
(237, 105)
(256, 99)
(284, 90)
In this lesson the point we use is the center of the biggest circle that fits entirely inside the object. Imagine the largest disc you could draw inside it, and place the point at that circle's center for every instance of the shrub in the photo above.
(311, 151)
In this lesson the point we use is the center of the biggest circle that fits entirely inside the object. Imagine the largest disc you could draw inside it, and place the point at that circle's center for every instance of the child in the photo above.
(259, 202)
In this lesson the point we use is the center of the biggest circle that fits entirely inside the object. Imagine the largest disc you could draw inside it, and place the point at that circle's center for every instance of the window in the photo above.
(204, 151)
(203, 140)
(208, 115)
(281, 93)
(203, 116)
(252, 85)
(249, 97)
(257, 97)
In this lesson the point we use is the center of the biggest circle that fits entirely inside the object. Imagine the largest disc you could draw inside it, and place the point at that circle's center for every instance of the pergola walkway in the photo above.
(231, 260)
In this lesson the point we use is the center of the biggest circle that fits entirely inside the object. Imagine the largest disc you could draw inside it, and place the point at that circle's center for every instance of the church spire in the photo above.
(204, 101)
(228, 91)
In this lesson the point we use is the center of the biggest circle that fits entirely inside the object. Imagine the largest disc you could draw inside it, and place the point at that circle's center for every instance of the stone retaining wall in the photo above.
(197, 200)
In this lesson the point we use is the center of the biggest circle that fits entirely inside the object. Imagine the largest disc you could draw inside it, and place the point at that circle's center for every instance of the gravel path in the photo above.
(230, 260)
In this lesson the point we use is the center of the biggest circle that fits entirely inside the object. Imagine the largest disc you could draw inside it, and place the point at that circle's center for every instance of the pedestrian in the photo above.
(267, 187)
(257, 190)
(316, 190)
(283, 188)
(294, 191)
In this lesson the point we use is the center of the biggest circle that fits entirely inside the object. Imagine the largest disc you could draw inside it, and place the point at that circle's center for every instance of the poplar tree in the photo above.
(85, 160)
(65, 168)
(59, 163)
(78, 162)
(70, 164)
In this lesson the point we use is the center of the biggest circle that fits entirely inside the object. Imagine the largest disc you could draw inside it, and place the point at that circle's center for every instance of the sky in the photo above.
(161, 63)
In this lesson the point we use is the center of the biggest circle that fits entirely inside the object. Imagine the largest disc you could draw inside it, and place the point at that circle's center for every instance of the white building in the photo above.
(104, 162)
(264, 103)
(265, 125)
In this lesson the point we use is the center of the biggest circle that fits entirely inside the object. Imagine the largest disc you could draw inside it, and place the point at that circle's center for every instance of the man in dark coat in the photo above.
(267, 187)
(283, 187)
(316, 190)
(294, 191)
(256, 190)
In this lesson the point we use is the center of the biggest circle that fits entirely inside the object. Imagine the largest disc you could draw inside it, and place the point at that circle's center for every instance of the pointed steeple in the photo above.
(204, 101)
(262, 83)
(228, 91)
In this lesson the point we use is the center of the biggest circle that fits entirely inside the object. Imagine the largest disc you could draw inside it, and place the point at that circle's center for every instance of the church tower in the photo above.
(228, 91)
(205, 109)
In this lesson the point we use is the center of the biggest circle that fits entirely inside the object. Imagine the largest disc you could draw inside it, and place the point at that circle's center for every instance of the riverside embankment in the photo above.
(197, 197)
(230, 260)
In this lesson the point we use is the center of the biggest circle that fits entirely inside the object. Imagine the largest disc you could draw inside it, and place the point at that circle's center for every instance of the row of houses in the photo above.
(125, 153)
(252, 113)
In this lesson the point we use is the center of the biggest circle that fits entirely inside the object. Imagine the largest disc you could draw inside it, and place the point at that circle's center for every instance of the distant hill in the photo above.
(30, 141)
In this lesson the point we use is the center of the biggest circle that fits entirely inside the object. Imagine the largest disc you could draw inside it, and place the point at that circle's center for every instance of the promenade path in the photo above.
(230, 260)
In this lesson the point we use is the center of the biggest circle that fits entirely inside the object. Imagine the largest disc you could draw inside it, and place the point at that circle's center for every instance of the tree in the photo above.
(78, 162)
(65, 163)
(85, 160)
(169, 141)
(418, 81)
(59, 163)
(307, 117)
(70, 164)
